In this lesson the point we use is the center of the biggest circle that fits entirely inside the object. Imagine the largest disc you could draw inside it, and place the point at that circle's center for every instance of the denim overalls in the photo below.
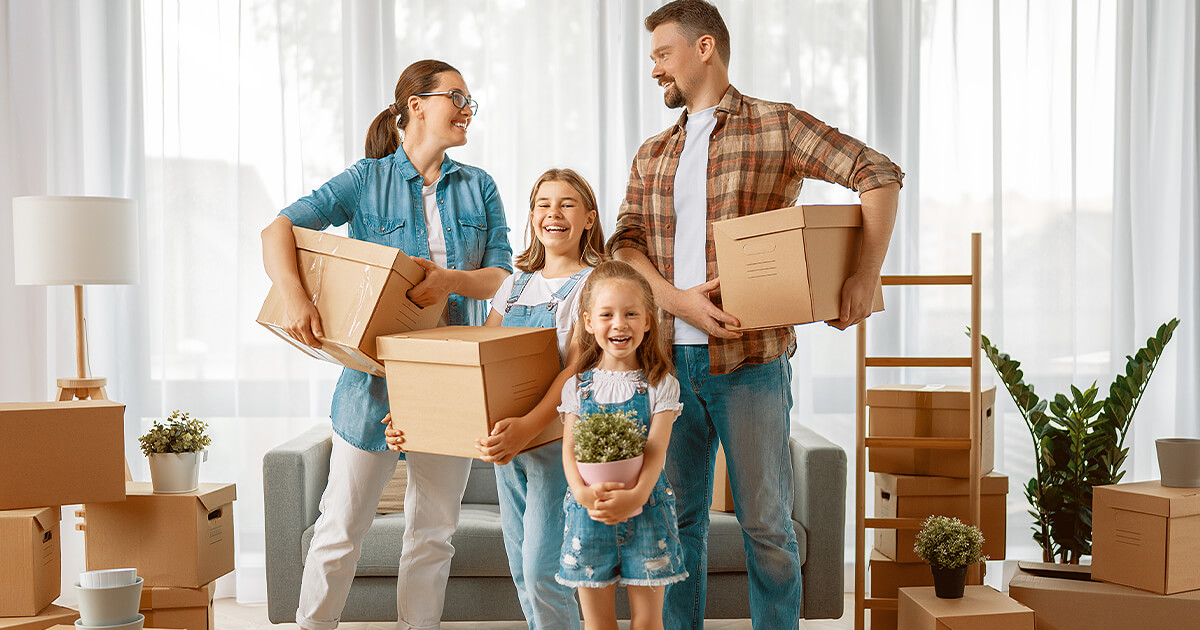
(642, 551)
(530, 490)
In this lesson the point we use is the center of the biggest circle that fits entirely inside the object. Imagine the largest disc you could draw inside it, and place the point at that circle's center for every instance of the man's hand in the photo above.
(614, 506)
(858, 295)
(303, 322)
(437, 285)
(695, 307)
(505, 442)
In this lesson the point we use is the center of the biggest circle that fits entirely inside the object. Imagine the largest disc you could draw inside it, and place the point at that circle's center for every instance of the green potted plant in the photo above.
(1079, 443)
(950, 546)
(608, 447)
(175, 449)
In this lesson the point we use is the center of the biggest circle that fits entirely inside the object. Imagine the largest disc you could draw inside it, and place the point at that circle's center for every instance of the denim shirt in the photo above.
(381, 200)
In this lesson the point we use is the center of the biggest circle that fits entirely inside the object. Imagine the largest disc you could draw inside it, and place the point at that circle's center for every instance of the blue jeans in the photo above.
(748, 411)
(531, 489)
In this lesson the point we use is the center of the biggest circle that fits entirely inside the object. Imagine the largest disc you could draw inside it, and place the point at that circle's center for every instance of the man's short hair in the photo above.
(695, 18)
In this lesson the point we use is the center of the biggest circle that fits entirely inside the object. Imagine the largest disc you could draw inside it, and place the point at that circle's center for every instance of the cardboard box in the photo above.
(170, 607)
(787, 266)
(49, 617)
(980, 608)
(722, 499)
(918, 497)
(1146, 536)
(929, 411)
(361, 292)
(181, 539)
(448, 386)
(888, 576)
(1071, 601)
(37, 468)
(30, 560)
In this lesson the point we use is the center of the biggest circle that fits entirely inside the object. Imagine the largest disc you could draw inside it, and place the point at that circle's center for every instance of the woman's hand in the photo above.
(613, 503)
(393, 436)
(303, 322)
(438, 284)
(508, 437)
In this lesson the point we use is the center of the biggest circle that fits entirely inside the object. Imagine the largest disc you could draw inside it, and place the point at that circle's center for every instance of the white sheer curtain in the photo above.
(1065, 132)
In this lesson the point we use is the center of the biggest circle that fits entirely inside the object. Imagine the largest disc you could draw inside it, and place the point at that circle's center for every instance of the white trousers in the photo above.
(431, 506)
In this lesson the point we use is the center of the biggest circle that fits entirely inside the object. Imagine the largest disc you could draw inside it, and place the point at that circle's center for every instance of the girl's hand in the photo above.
(437, 285)
(615, 506)
(587, 495)
(508, 437)
(393, 436)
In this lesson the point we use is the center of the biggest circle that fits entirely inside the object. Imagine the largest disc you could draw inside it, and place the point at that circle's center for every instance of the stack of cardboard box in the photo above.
(40, 474)
(916, 483)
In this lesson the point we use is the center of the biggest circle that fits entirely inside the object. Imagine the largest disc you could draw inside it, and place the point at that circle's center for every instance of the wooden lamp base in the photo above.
(82, 389)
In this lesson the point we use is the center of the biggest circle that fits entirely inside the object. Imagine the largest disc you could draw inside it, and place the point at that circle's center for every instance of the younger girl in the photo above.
(565, 242)
(622, 368)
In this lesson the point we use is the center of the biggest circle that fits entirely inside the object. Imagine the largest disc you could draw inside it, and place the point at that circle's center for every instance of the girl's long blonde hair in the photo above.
(591, 242)
(652, 357)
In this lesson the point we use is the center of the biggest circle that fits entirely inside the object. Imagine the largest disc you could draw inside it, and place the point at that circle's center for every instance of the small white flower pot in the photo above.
(176, 472)
(1179, 462)
(109, 606)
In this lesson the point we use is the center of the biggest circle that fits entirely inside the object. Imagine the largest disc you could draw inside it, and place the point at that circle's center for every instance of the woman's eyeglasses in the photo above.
(460, 100)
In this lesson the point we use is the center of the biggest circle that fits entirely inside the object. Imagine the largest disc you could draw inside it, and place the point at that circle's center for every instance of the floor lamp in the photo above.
(76, 241)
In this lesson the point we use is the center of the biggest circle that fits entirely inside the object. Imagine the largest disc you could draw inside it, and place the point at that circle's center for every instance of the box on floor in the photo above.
(1147, 536)
(360, 290)
(448, 387)
(929, 411)
(36, 474)
(174, 607)
(49, 617)
(183, 539)
(888, 577)
(1074, 602)
(910, 496)
(787, 266)
(980, 608)
(30, 560)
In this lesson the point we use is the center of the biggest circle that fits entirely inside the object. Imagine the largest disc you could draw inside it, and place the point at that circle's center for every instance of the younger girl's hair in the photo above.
(651, 355)
(591, 243)
(383, 136)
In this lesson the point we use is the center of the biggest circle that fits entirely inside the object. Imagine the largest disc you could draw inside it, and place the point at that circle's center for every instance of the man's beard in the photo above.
(673, 97)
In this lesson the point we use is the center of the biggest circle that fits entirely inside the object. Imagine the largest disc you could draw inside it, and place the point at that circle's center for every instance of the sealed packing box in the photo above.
(980, 608)
(30, 560)
(888, 576)
(183, 539)
(1146, 536)
(36, 471)
(787, 266)
(448, 386)
(173, 607)
(722, 499)
(929, 411)
(361, 292)
(50, 617)
(1064, 598)
(910, 496)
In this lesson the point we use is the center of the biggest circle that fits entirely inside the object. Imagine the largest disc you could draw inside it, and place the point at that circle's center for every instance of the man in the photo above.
(731, 155)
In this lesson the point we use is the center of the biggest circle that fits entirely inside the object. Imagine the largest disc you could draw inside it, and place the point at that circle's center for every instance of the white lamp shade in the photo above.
(75, 240)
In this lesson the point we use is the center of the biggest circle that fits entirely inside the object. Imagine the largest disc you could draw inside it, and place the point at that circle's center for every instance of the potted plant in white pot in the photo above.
(950, 546)
(608, 447)
(175, 449)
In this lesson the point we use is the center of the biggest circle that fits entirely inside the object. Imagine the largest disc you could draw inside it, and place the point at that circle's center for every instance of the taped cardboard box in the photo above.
(910, 496)
(172, 607)
(929, 411)
(181, 539)
(785, 267)
(980, 608)
(1146, 536)
(30, 560)
(37, 473)
(889, 576)
(447, 387)
(722, 499)
(50, 617)
(361, 292)
(1064, 598)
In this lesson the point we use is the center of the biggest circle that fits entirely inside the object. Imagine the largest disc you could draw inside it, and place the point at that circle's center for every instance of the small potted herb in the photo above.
(608, 447)
(950, 547)
(175, 449)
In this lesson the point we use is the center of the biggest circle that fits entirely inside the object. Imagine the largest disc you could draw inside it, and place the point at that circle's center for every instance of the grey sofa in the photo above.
(480, 587)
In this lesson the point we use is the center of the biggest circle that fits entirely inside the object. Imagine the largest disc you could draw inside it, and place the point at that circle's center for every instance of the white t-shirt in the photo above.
(539, 291)
(691, 214)
(433, 225)
(617, 387)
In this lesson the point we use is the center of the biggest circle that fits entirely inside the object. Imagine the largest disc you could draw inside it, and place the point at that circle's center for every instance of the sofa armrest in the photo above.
(294, 477)
(819, 467)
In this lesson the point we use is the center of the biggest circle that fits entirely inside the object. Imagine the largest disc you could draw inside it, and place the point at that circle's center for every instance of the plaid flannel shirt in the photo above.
(759, 155)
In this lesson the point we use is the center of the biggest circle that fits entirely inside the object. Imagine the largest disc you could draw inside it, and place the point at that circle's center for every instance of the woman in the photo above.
(408, 194)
